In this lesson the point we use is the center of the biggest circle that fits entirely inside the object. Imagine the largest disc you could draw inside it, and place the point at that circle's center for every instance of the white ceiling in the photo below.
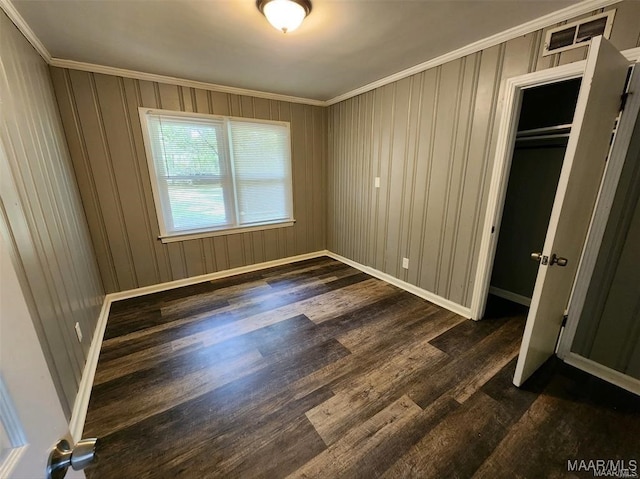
(342, 45)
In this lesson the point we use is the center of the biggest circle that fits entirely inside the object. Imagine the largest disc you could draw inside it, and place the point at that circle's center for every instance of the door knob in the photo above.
(555, 259)
(63, 456)
(539, 258)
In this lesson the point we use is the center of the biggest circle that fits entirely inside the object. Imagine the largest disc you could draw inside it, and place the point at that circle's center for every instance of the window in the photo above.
(213, 174)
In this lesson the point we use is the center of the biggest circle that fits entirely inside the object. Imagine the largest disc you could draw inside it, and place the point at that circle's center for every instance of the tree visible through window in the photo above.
(217, 173)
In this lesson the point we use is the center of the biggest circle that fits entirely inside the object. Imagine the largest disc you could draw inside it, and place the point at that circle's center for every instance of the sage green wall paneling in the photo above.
(515, 57)
(438, 195)
(431, 138)
(394, 175)
(42, 215)
(422, 167)
(458, 153)
(408, 178)
(288, 238)
(474, 190)
(102, 125)
(120, 149)
(299, 149)
(618, 333)
(369, 170)
(320, 154)
(89, 131)
(388, 118)
(609, 329)
(625, 32)
(84, 177)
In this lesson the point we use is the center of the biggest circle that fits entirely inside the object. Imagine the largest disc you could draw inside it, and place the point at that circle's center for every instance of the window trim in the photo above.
(168, 237)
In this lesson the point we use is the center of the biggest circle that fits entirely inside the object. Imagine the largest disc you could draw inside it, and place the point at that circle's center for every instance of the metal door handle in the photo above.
(555, 259)
(63, 456)
(539, 258)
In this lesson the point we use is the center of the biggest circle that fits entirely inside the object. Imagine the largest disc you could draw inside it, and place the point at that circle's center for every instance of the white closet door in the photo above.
(596, 110)
(31, 417)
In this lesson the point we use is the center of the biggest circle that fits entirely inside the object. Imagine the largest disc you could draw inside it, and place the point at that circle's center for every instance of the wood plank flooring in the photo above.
(316, 370)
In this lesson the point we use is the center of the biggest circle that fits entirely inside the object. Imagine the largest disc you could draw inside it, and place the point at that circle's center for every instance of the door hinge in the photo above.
(564, 321)
(623, 100)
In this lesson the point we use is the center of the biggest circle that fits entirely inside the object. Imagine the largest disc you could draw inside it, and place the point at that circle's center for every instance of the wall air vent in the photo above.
(577, 34)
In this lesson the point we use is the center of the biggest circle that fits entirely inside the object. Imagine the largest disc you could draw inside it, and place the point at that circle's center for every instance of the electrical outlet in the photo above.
(377, 182)
(405, 263)
(78, 332)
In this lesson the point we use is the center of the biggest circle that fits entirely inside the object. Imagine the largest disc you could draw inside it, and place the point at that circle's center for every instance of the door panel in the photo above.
(596, 110)
(31, 416)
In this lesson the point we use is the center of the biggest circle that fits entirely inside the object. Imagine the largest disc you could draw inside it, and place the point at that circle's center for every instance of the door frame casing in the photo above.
(512, 93)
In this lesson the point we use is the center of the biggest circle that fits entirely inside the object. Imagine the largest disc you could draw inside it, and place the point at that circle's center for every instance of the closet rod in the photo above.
(543, 137)
(544, 130)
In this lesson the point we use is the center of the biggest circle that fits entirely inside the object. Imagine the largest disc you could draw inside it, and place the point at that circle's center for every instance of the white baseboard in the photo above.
(413, 289)
(179, 283)
(607, 374)
(81, 404)
(515, 297)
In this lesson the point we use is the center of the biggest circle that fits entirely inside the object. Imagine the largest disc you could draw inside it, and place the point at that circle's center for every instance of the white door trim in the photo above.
(600, 218)
(607, 374)
(511, 91)
(512, 94)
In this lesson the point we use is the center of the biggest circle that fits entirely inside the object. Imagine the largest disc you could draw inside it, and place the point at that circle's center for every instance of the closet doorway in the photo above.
(601, 86)
(543, 130)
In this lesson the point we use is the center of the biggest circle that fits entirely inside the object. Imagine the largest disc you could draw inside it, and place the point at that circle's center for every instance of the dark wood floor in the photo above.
(318, 370)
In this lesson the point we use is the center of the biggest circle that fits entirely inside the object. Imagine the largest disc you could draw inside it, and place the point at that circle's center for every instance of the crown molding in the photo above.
(581, 8)
(25, 29)
(94, 68)
(586, 6)
(31, 37)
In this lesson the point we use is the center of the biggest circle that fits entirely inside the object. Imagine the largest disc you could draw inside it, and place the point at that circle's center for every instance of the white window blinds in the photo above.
(217, 173)
(261, 171)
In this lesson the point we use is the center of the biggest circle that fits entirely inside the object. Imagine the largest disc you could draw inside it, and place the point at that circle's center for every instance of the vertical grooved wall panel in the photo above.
(101, 122)
(41, 214)
(431, 138)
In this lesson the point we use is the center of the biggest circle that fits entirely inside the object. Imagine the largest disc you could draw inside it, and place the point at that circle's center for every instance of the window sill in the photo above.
(223, 232)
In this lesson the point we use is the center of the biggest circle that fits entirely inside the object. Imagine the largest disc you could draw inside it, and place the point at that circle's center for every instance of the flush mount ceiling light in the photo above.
(285, 15)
